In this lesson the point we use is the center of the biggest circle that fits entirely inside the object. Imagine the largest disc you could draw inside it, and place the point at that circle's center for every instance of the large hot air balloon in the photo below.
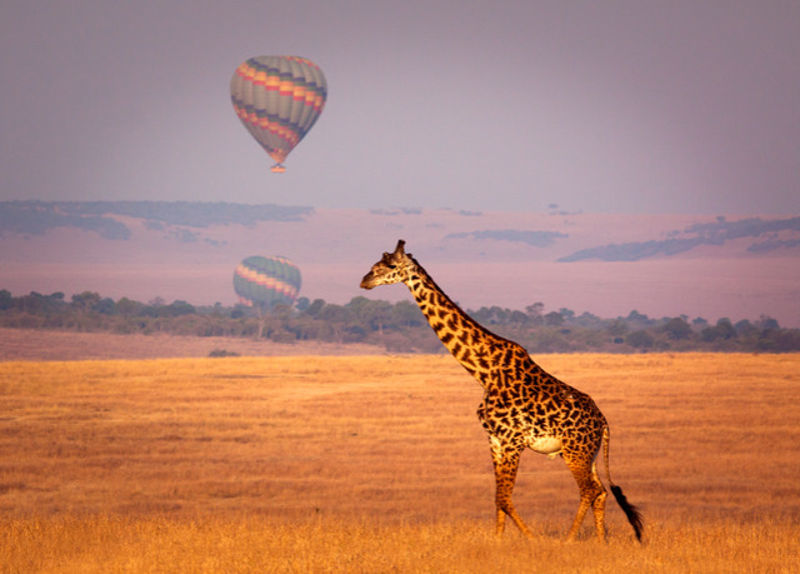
(263, 282)
(278, 99)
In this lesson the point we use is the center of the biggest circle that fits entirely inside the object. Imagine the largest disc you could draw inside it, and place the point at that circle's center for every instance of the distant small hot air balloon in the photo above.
(278, 99)
(263, 282)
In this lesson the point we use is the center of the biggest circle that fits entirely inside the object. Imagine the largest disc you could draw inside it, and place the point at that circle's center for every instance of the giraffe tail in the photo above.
(631, 512)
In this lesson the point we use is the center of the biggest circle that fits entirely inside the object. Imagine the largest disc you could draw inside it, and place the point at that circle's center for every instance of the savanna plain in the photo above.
(379, 464)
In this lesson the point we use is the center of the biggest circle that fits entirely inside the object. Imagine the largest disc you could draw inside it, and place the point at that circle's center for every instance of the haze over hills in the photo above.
(606, 264)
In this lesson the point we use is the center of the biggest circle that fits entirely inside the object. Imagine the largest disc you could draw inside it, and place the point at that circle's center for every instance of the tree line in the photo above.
(398, 327)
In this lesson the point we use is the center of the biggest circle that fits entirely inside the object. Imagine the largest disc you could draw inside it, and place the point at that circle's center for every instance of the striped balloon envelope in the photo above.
(278, 99)
(264, 282)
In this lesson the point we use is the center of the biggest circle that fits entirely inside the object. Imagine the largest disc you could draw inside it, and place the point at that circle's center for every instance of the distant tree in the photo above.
(617, 328)
(357, 302)
(105, 306)
(745, 328)
(482, 315)
(535, 310)
(408, 314)
(568, 314)
(315, 307)
(677, 329)
(723, 330)
(636, 317)
(709, 334)
(518, 318)
(280, 311)
(178, 308)
(726, 329)
(498, 315)
(127, 307)
(6, 300)
(779, 340)
(85, 301)
(587, 319)
(640, 340)
(554, 319)
(374, 314)
(239, 311)
(338, 318)
(38, 304)
(335, 313)
(767, 322)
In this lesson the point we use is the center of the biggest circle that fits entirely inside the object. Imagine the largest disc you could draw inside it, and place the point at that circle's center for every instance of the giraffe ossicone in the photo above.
(523, 406)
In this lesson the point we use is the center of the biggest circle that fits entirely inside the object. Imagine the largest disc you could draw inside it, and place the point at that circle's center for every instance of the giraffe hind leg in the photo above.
(593, 494)
(501, 521)
(599, 507)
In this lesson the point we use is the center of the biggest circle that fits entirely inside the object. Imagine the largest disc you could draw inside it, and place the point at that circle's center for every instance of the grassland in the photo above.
(378, 464)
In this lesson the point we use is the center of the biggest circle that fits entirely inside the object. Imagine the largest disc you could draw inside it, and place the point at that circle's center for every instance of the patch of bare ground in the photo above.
(50, 345)
(378, 464)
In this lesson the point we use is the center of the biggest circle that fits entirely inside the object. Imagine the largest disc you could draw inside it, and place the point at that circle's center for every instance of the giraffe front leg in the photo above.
(506, 463)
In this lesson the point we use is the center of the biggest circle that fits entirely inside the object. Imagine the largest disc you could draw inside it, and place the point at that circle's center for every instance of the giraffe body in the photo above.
(523, 406)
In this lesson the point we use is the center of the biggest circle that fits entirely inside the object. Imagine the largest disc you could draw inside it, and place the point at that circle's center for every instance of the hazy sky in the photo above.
(613, 106)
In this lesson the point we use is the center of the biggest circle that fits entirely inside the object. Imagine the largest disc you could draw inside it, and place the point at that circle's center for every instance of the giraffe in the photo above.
(523, 406)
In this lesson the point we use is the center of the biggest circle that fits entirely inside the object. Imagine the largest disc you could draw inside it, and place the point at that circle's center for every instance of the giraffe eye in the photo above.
(391, 265)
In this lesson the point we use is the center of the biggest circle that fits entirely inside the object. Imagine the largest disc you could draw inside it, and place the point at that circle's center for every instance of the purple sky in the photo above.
(675, 106)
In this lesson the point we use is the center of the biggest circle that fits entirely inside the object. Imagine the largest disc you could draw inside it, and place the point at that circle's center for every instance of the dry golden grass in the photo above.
(101, 544)
(378, 464)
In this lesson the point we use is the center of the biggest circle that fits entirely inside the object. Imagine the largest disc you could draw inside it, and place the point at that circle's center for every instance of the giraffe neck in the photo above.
(472, 345)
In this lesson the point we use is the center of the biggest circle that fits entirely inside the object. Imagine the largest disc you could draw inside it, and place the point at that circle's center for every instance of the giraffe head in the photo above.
(392, 268)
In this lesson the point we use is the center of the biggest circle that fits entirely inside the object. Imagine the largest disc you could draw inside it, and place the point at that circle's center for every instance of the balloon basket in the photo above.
(277, 168)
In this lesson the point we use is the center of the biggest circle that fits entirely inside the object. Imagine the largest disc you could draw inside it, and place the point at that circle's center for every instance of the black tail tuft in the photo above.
(633, 514)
